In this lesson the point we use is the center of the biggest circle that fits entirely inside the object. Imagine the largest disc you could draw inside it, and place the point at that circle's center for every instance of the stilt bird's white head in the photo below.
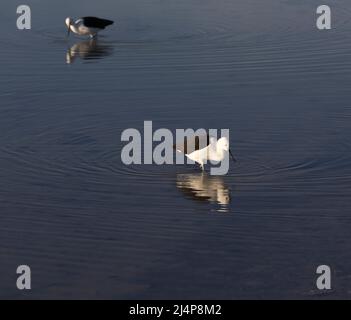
(69, 22)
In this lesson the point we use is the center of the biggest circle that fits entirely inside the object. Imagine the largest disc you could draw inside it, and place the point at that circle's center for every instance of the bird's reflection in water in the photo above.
(88, 50)
(203, 187)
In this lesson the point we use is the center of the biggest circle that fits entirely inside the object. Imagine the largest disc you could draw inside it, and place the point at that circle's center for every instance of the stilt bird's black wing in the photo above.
(93, 22)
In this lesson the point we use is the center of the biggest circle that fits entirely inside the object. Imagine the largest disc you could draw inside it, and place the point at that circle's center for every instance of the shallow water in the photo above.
(91, 227)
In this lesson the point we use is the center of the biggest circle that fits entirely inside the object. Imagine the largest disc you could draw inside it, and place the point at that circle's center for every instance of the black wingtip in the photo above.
(94, 22)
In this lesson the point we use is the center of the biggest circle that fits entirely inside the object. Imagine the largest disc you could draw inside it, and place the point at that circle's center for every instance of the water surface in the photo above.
(90, 227)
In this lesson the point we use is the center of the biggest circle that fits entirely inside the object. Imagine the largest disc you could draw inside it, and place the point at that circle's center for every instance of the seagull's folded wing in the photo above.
(192, 143)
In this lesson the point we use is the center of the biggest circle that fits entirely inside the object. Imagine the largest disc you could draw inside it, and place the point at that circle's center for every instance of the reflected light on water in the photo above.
(88, 50)
(202, 187)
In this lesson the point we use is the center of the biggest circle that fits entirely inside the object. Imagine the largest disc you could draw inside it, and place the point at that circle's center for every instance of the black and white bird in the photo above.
(87, 26)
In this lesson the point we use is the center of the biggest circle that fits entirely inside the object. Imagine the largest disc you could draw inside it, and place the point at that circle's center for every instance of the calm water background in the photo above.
(91, 227)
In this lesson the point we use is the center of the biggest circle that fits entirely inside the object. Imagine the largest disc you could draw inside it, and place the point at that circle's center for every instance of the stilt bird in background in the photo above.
(87, 26)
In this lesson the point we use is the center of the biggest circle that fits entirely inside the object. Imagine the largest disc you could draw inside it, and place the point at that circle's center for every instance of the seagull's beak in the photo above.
(68, 30)
(232, 156)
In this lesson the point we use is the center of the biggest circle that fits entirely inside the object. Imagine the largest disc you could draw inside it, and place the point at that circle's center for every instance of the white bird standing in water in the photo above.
(213, 151)
(87, 26)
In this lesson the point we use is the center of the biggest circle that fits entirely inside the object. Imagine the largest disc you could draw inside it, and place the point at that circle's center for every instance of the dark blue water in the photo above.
(91, 227)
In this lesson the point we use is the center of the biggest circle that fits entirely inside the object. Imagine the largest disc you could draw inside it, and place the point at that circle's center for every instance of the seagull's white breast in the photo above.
(199, 156)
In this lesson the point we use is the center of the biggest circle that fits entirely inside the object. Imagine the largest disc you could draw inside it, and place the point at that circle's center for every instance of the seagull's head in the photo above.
(69, 22)
(223, 145)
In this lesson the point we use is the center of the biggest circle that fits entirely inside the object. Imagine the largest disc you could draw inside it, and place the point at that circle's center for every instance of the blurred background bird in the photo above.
(87, 26)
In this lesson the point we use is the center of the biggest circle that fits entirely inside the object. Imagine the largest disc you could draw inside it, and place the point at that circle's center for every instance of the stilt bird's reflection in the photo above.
(203, 187)
(88, 50)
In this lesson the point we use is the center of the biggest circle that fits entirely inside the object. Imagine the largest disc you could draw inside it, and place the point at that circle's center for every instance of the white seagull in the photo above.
(87, 26)
(211, 149)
